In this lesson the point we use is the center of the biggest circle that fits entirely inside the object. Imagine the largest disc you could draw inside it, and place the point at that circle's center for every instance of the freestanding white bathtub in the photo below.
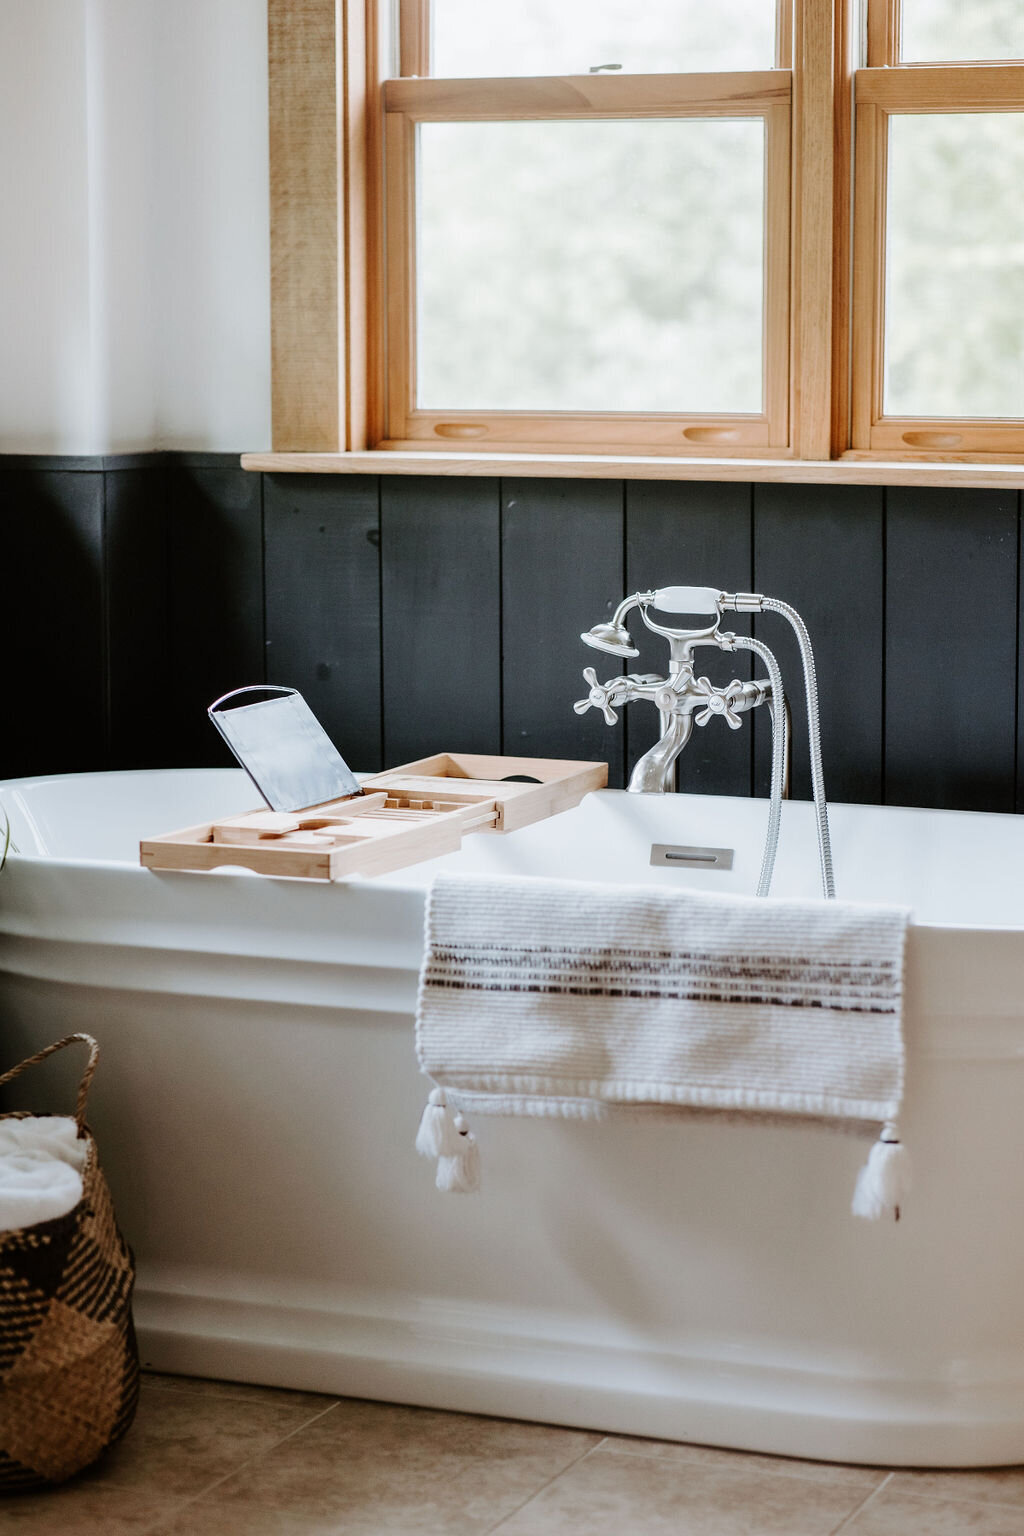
(258, 1098)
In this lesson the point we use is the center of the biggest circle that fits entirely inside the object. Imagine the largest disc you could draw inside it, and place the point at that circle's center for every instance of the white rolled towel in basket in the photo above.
(41, 1161)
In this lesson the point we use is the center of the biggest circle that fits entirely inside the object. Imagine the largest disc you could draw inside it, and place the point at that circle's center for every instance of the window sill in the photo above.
(848, 470)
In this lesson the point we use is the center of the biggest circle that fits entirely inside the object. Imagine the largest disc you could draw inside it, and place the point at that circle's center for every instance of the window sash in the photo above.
(407, 102)
(327, 95)
(882, 93)
(413, 18)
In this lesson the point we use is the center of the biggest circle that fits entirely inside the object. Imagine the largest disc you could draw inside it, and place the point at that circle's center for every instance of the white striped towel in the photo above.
(544, 997)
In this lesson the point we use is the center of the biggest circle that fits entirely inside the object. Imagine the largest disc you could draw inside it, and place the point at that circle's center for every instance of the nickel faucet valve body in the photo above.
(684, 700)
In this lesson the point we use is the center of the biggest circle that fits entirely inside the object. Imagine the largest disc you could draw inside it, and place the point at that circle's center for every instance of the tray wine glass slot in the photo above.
(525, 789)
(415, 812)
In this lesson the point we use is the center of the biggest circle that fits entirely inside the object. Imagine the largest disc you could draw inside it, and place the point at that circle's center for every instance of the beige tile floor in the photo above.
(205, 1458)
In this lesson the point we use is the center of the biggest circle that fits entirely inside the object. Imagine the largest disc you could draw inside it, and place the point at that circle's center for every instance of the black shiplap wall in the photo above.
(416, 614)
(321, 579)
(440, 548)
(690, 528)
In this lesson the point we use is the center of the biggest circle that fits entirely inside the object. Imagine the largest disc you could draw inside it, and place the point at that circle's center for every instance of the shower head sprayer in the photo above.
(614, 638)
(680, 693)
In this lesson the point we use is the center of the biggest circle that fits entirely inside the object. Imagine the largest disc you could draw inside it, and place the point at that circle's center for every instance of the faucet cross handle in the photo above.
(600, 696)
(720, 701)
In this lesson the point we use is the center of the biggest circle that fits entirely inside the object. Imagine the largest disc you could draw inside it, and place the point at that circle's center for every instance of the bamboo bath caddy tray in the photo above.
(418, 811)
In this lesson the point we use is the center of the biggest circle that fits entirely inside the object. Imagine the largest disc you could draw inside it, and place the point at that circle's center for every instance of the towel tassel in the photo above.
(884, 1181)
(437, 1136)
(459, 1173)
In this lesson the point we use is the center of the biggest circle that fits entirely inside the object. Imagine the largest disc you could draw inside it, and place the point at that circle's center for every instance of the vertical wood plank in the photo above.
(813, 192)
(441, 616)
(951, 648)
(215, 527)
(400, 218)
(821, 549)
(137, 614)
(783, 34)
(562, 571)
(842, 173)
(414, 37)
(365, 46)
(305, 280)
(883, 32)
(779, 288)
(322, 543)
(691, 534)
(868, 280)
(52, 622)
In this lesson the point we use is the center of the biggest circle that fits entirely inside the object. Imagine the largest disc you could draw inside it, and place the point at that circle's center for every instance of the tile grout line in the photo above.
(569, 1467)
(844, 1525)
(951, 1497)
(175, 1510)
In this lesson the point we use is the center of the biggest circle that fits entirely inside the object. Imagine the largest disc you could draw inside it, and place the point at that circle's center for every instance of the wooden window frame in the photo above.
(763, 96)
(332, 274)
(884, 92)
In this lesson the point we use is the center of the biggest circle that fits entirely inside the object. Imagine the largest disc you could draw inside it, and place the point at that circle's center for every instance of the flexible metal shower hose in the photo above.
(814, 734)
(779, 736)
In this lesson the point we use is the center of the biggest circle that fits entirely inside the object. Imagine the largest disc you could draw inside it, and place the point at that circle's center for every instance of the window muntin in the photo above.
(574, 37)
(617, 267)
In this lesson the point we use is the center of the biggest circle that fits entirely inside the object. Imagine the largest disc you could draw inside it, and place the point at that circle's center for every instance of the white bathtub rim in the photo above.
(386, 991)
(41, 780)
(392, 883)
(337, 988)
(404, 885)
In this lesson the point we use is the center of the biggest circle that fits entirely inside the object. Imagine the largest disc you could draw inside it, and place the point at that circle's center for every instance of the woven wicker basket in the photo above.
(69, 1364)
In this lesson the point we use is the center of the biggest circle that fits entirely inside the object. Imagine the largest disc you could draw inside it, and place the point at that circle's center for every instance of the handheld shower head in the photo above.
(614, 638)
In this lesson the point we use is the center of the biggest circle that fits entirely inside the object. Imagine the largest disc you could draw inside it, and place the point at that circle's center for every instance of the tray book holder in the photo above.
(69, 1363)
(418, 811)
(282, 746)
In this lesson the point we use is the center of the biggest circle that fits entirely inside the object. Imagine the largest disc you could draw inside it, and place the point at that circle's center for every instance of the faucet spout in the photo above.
(683, 700)
(654, 773)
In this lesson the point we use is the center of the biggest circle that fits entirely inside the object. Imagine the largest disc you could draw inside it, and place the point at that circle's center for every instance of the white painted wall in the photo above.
(134, 251)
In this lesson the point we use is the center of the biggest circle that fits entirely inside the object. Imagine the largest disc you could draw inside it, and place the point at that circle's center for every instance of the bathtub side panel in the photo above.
(688, 1278)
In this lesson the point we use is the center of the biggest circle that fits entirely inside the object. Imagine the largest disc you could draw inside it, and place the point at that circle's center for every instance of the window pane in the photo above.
(955, 265)
(571, 37)
(591, 266)
(962, 29)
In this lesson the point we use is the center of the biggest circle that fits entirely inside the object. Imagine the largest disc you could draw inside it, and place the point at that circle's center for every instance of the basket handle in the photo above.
(83, 1088)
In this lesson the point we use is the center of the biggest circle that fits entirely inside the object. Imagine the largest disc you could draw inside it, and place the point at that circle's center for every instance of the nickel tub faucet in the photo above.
(685, 700)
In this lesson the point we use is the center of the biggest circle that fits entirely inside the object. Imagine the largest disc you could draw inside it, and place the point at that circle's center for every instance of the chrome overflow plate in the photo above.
(679, 856)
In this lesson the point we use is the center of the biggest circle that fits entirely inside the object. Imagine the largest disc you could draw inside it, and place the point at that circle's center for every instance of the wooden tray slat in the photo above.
(562, 782)
(418, 811)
